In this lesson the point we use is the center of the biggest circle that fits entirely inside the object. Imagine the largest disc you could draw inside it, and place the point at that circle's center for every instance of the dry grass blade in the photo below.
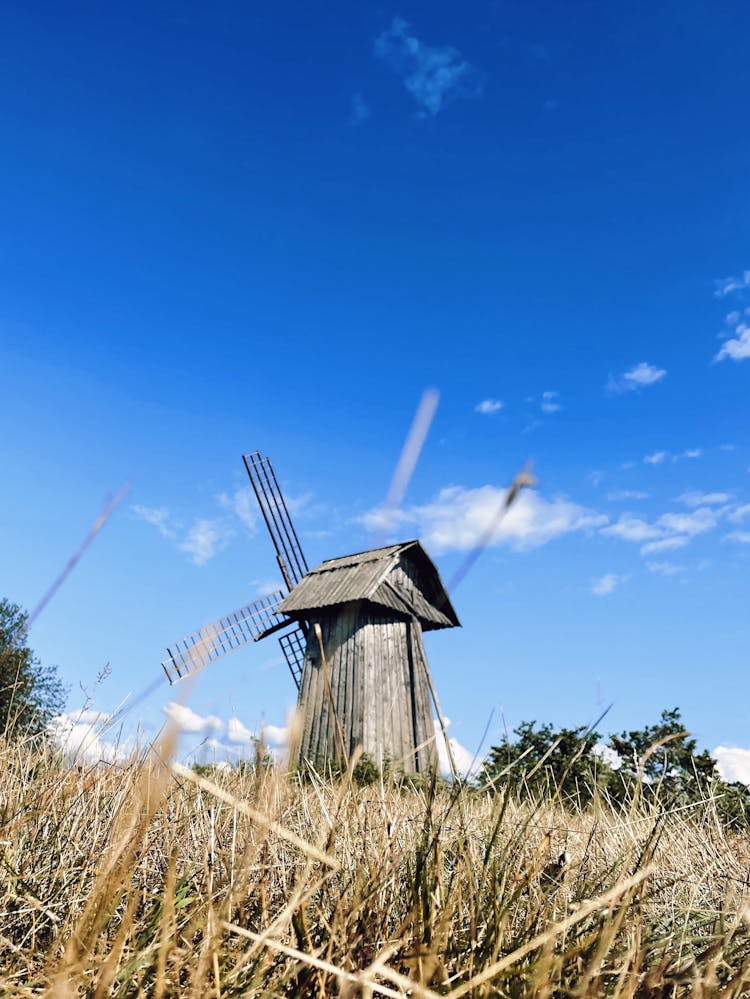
(585, 910)
(122, 881)
(362, 980)
(252, 813)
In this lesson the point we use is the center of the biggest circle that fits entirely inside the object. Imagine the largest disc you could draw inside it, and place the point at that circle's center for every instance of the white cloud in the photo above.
(733, 764)
(243, 505)
(669, 531)
(205, 538)
(644, 374)
(303, 505)
(665, 545)
(606, 584)
(359, 109)
(549, 403)
(80, 737)
(738, 347)
(265, 587)
(630, 528)
(159, 517)
(459, 519)
(665, 568)
(431, 74)
(638, 377)
(188, 720)
(275, 736)
(697, 522)
(726, 286)
(740, 513)
(659, 457)
(239, 733)
(488, 406)
(739, 537)
(694, 498)
(607, 755)
(627, 494)
(466, 764)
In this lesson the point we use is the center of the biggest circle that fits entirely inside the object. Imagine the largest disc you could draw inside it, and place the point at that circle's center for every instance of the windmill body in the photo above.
(365, 677)
(351, 632)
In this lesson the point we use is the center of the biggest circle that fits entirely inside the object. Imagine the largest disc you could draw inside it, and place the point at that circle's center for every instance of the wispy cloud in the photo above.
(638, 377)
(740, 513)
(694, 498)
(660, 457)
(200, 541)
(667, 544)
(159, 517)
(617, 495)
(242, 504)
(431, 74)
(205, 537)
(727, 286)
(606, 584)
(738, 537)
(489, 406)
(201, 538)
(549, 403)
(668, 532)
(458, 519)
(359, 109)
(630, 528)
(265, 587)
(698, 521)
(665, 568)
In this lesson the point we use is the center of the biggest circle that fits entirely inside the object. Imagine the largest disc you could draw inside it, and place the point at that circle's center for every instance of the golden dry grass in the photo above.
(143, 880)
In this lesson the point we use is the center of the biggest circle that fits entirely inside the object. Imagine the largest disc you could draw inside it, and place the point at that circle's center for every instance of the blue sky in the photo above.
(274, 227)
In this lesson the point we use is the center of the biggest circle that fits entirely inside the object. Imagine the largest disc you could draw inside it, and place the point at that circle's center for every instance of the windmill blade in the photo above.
(248, 624)
(276, 515)
(293, 645)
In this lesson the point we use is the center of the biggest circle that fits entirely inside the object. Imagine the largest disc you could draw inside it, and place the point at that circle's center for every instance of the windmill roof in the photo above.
(400, 577)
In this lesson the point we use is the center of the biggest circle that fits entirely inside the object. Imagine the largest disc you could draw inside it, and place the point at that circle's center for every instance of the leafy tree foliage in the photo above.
(542, 760)
(30, 694)
(660, 759)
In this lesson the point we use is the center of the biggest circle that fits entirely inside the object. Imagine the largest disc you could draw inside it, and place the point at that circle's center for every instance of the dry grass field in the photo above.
(148, 880)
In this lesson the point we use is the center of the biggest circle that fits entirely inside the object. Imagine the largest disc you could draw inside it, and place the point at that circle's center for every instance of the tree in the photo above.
(666, 754)
(542, 760)
(660, 759)
(30, 694)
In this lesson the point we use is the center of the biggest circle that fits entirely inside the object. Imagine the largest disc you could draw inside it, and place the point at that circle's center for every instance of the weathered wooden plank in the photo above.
(424, 700)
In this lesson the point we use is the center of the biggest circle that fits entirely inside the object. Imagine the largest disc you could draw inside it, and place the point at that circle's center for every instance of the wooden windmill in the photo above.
(351, 633)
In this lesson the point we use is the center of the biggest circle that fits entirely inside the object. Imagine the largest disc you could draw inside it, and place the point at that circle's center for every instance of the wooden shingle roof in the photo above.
(400, 577)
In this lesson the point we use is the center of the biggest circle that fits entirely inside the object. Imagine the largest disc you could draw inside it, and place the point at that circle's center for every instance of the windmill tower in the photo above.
(351, 633)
